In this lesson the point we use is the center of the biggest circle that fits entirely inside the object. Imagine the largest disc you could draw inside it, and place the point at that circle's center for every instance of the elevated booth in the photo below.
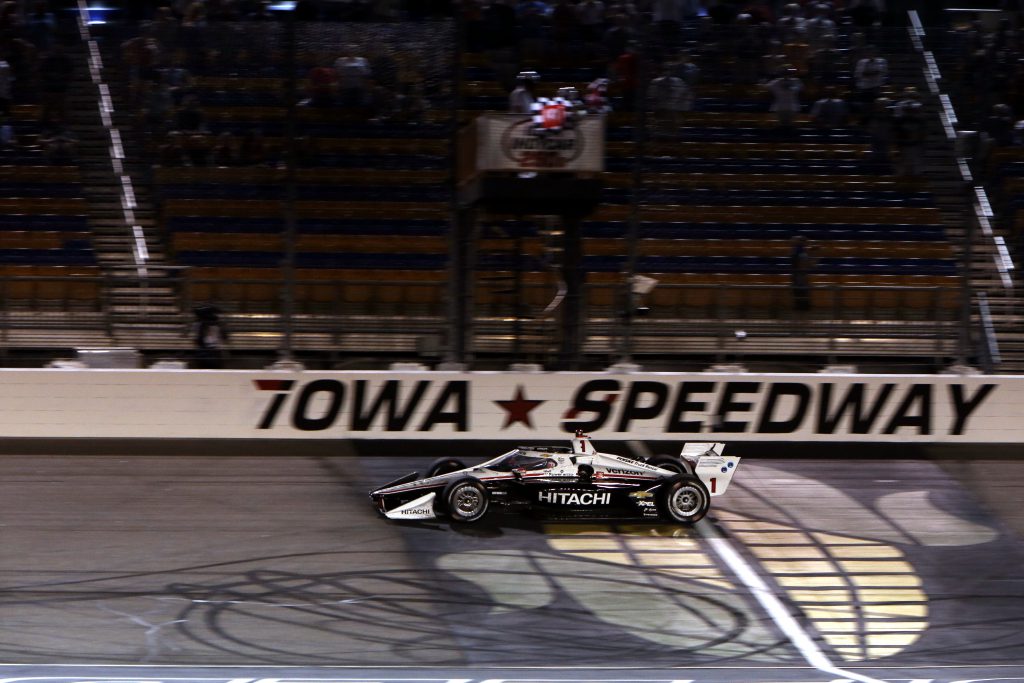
(539, 174)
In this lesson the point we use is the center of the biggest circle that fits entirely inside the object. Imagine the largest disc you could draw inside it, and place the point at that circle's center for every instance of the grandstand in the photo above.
(230, 163)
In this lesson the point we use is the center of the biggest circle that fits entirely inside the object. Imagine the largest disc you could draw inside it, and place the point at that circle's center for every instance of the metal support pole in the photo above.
(460, 286)
(572, 307)
(461, 227)
(288, 265)
(633, 237)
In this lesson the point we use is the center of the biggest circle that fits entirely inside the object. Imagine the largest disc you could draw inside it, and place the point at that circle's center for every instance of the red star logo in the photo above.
(518, 409)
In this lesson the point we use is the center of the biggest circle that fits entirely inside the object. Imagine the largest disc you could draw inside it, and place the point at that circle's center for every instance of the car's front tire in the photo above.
(684, 499)
(465, 500)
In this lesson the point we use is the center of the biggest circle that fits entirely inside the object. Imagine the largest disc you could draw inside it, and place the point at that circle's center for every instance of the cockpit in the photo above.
(520, 460)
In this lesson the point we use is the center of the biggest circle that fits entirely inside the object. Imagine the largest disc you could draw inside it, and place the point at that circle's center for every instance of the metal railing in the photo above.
(682, 320)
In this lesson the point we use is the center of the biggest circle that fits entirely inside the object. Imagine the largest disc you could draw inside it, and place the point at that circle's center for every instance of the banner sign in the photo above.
(513, 406)
(512, 142)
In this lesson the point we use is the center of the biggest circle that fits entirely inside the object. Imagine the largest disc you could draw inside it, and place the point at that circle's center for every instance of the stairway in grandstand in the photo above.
(1000, 290)
(141, 291)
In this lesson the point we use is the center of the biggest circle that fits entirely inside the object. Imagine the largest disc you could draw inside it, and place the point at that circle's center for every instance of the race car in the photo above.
(573, 482)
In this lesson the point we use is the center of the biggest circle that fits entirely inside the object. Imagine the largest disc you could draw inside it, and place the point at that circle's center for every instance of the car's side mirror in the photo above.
(518, 474)
(585, 472)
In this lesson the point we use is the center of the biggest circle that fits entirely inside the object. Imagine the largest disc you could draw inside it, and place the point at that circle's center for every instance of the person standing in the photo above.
(210, 336)
(520, 100)
(800, 265)
(785, 93)
(870, 74)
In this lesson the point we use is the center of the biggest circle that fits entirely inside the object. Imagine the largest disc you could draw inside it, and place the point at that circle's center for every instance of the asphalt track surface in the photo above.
(258, 569)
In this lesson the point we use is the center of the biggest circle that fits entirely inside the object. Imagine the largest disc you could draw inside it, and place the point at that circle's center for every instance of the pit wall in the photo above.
(523, 407)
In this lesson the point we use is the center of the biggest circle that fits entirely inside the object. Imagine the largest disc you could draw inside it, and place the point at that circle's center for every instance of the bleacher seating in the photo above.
(719, 204)
(46, 255)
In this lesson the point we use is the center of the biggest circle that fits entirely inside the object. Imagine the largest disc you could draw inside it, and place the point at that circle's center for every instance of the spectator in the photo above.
(190, 117)
(773, 62)
(798, 55)
(791, 25)
(155, 107)
(722, 12)
(383, 103)
(58, 143)
(596, 99)
(322, 82)
(865, 13)
(501, 26)
(21, 55)
(667, 16)
(591, 16)
(669, 96)
(532, 15)
(820, 29)
(306, 152)
(224, 152)
(826, 65)
(625, 72)
(870, 74)
(520, 100)
(384, 67)
(564, 26)
(40, 25)
(785, 93)
(909, 129)
(56, 71)
(252, 151)
(172, 152)
(412, 105)
(617, 37)
(140, 54)
(210, 335)
(1000, 126)
(6, 80)
(198, 149)
(176, 78)
(352, 72)
(879, 127)
(801, 263)
(831, 111)
(748, 49)
(165, 27)
(685, 69)
(8, 140)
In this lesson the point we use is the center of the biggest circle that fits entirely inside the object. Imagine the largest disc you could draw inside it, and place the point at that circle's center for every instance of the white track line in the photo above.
(800, 639)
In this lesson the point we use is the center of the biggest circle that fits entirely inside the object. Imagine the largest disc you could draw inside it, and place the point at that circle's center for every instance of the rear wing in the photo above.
(710, 465)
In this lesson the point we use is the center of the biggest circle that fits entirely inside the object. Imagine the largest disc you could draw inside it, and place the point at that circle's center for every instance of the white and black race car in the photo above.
(572, 482)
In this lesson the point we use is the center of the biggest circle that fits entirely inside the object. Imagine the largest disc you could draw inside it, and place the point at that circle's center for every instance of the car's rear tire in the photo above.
(443, 466)
(684, 499)
(465, 500)
(667, 462)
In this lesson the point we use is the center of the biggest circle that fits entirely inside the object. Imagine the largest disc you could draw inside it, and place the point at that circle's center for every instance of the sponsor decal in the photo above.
(616, 470)
(773, 407)
(393, 406)
(573, 498)
(555, 149)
